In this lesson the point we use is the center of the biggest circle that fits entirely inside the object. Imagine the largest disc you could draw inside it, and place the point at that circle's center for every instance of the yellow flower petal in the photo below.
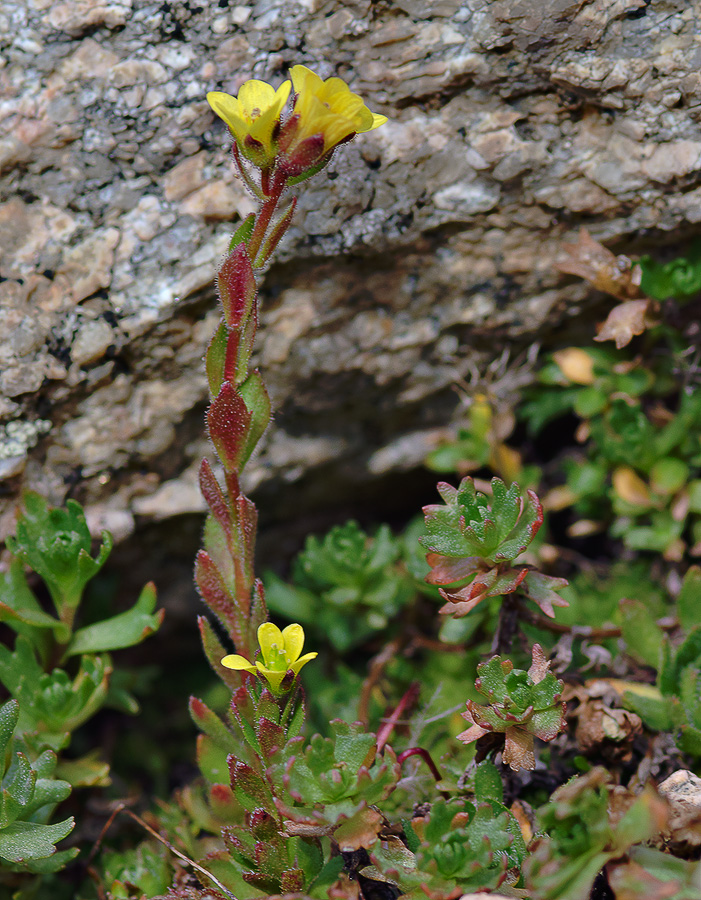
(269, 635)
(234, 661)
(228, 108)
(256, 96)
(293, 636)
(304, 79)
(302, 661)
(253, 114)
(274, 679)
(328, 108)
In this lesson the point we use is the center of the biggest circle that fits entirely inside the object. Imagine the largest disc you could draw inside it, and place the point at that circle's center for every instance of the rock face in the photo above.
(512, 123)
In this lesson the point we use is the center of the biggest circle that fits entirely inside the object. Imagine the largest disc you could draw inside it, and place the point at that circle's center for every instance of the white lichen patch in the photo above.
(17, 437)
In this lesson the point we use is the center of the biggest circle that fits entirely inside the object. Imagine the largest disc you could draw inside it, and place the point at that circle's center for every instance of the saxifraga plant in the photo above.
(276, 838)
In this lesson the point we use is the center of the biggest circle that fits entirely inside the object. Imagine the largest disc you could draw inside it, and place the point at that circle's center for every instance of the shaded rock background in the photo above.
(428, 253)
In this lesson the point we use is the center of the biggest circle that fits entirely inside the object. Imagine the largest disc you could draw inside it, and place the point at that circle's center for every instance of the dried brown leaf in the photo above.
(587, 258)
(518, 750)
(627, 320)
(540, 666)
(360, 830)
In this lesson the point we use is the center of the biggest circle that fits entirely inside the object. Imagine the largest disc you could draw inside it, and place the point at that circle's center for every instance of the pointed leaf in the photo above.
(124, 630)
(215, 359)
(236, 284)
(24, 841)
(229, 422)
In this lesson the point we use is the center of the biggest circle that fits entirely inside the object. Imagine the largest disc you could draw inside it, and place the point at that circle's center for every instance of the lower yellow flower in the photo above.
(253, 117)
(281, 653)
(325, 114)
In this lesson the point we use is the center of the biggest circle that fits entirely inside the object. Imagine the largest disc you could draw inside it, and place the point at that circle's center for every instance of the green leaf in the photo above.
(123, 630)
(243, 232)
(655, 713)
(19, 605)
(87, 771)
(689, 599)
(668, 475)
(56, 544)
(9, 715)
(255, 396)
(25, 841)
(488, 783)
(641, 632)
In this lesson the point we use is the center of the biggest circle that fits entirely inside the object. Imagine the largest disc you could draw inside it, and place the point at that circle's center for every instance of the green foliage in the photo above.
(468, 524)
(583, 826)
(345, 586)
(334, 782)
(674, 704)
(144, 871)
(460, 845)
(680, 278)
(28, 796)
(643, 462)
(56, 544)
(473, 445)
(277, 813)
(56, 679)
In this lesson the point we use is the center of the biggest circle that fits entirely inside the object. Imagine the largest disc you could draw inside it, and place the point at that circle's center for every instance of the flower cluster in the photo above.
(324, 114)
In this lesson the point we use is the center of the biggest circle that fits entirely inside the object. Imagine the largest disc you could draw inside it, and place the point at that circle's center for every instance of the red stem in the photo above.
(390, 722)
(266, 214)
(426, 757)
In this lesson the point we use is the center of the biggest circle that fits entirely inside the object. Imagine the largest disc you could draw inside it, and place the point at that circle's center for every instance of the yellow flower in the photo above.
(280, 650)
(325, 113)
(253, 117)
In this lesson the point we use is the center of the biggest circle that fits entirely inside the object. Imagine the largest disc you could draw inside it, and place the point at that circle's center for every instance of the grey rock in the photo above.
(429, 250)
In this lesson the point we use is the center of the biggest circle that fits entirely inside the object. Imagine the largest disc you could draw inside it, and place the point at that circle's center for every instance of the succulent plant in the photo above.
(522, 706)
(28, 796)
(586, 823)
(346, 585)
(474, 537)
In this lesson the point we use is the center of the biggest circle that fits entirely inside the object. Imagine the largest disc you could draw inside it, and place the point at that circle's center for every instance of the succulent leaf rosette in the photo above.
(471, 536)
(522, 706)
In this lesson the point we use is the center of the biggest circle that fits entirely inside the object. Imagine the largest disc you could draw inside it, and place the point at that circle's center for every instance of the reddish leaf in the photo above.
(542, 589)
(277, 233)
(304, 156)
(214, 496)
(217, 595)
(292, 880)
(518, 750)
(445, 570)
(262, 824)
(360, 830)
(236, 284)
(270, 736)
(493, 583)
(229, 422)
(248, 785)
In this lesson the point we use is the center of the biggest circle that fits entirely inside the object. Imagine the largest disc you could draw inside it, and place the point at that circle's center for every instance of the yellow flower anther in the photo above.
(280, 651)
(253, 117)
